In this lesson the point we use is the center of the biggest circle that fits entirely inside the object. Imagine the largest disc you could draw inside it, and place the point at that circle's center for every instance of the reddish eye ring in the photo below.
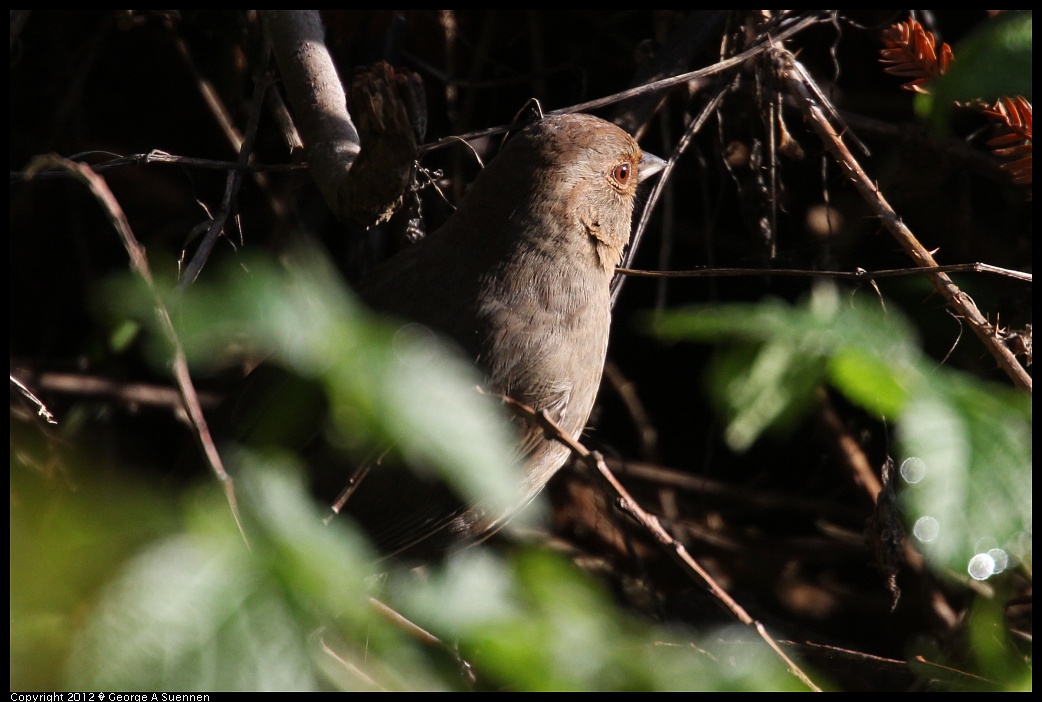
(622, 173)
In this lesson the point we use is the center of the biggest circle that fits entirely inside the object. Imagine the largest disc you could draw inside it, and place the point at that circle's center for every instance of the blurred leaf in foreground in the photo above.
(535, 623)
(198, 609)
(992, 62)
(387, 384)
(965, 445)
(194, 608)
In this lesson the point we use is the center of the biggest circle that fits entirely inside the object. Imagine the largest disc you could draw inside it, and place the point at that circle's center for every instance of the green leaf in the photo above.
(867, 354)
(991, 62)
(201, 609)
(965, 445)
(535, 623)
(966, 451)
(386, 383)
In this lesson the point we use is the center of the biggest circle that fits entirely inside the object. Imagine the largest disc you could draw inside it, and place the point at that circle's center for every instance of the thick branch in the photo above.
(317, 96)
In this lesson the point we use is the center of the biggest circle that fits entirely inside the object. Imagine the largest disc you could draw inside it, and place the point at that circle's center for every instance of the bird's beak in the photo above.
(650, 164)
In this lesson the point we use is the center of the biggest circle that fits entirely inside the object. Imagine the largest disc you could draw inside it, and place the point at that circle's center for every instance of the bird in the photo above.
(519, 279)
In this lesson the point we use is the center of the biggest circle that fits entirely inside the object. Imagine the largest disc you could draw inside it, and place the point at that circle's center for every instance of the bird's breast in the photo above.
(545, 344)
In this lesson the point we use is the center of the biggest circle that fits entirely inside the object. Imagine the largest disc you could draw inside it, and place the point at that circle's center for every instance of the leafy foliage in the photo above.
(127, 569)
(966, 446)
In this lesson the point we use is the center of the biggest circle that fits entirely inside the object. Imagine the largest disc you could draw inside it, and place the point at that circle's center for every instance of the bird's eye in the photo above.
(622, 173)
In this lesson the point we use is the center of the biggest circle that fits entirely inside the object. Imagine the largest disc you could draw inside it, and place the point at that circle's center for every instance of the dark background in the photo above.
(91, 84)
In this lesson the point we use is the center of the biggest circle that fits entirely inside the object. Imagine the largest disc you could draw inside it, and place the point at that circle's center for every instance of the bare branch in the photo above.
(317, 96)
(179, 363)
(962, 304)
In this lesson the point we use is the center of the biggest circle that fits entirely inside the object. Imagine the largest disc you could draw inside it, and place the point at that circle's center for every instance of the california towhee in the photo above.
(519, 278)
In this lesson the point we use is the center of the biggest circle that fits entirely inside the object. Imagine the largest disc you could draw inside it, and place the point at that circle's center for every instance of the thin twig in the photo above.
(208, 92)
(864, 476)
(627, 392)
(350, 666)
(129, 393)
(179, 363)
(155, 156)
(956, 671)
(678, 47)
(655, 86)
(234, 177)
(958, 300)
(859, 274)
(41, 409)
(726, 493)
(223, 116)
(423, 636)
(654, 527)
(689, 134)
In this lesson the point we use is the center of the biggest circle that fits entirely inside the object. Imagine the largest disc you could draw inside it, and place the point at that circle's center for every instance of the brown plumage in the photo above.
(519, 278)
